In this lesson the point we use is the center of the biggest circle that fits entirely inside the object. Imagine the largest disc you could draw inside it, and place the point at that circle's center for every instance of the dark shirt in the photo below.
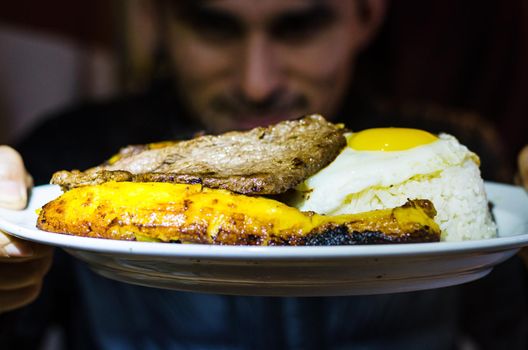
(98, 313)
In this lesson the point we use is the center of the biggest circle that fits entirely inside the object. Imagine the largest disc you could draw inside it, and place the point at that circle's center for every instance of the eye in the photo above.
(208, 23)
(216, 28)
(299, 28)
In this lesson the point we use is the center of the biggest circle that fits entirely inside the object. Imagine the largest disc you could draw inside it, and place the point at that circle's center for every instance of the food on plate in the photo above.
(183, 213)
(302, 182)
(382, 168)
(260, 161)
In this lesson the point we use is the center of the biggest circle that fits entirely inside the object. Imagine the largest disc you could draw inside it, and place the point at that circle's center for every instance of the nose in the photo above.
(260, 72)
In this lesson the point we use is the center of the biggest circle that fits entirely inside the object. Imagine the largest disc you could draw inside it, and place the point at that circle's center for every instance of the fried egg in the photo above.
(377, 159)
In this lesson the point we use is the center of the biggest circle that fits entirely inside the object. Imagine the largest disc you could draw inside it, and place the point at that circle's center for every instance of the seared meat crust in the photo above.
(194, 214)
(265, 160)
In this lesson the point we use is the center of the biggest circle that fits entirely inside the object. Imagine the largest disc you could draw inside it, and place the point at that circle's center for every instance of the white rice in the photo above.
(456, 192)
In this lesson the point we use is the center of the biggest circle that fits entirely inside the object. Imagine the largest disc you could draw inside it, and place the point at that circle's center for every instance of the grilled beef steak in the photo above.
(265, 160)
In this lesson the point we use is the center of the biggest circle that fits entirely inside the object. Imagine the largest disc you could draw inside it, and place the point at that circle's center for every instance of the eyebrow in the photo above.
(191, 10)
(317, 13)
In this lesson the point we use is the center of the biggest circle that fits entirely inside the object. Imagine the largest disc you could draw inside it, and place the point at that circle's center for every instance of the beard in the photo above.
(234, 110)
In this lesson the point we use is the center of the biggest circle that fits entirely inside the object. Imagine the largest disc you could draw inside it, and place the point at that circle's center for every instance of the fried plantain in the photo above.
(184, 213)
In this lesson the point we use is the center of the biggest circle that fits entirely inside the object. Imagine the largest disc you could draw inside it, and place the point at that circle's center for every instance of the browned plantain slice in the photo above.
(195, 214)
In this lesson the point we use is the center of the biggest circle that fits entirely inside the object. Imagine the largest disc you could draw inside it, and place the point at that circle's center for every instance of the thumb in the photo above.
(523, 166)
(13, 179)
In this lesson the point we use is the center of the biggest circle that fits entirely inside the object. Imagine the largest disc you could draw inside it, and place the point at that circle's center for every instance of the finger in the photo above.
(13, 179)
(24, 274)
(523, 166)
(12, 247)
(14, 299)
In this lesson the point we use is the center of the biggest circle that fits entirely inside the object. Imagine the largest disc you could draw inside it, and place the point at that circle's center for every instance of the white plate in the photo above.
(290, 271)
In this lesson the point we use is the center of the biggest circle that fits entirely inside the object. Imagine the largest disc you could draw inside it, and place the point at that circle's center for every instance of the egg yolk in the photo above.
(389, 139)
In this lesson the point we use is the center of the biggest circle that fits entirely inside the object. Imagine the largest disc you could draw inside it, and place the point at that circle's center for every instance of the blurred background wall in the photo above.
(52, 54)
(470, 55)
(460, 54)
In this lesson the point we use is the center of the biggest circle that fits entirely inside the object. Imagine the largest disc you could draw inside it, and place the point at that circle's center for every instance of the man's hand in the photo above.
(14, 181)
(22, 264)
(22, 268)
(523, 180)
(523, 167)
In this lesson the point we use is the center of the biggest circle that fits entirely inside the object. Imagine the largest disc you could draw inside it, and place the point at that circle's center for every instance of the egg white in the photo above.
(356, 171)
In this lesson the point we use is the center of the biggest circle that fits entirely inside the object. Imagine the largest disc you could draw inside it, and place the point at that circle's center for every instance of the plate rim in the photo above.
(218, 252)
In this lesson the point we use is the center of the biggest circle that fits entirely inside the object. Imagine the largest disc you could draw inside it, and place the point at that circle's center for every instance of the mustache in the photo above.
(239, 103)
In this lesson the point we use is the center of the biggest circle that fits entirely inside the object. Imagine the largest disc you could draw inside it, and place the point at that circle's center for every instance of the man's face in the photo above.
(246, 63)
